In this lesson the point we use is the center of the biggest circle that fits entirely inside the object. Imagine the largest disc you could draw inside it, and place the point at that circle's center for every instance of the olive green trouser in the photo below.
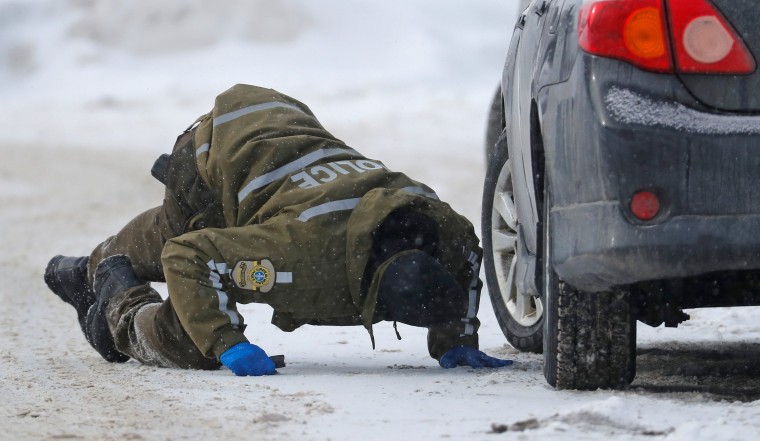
(144, 326)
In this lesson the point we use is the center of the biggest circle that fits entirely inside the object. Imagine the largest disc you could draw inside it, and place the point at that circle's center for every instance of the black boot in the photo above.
(67, 278)
(113, 275)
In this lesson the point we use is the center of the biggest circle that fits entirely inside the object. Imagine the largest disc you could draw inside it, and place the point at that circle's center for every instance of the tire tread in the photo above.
(595, 340)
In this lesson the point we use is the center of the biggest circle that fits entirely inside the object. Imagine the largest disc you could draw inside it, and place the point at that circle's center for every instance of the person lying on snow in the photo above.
(264, 205)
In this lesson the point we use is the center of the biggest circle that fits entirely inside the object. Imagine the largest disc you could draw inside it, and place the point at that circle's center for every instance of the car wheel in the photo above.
(520, 316)
(590, 338)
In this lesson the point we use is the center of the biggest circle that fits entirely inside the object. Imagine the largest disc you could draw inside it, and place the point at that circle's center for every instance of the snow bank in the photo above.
(112, 74)
(146, 27)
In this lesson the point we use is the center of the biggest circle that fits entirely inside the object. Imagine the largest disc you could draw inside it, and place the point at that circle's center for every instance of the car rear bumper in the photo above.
(596, 248)
(704, 167)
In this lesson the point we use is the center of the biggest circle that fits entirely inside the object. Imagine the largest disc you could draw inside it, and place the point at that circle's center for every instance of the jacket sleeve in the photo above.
(196, 277)
(464, 330)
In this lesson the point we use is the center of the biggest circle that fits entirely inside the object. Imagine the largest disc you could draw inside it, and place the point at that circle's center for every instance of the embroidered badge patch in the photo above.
(254, 275)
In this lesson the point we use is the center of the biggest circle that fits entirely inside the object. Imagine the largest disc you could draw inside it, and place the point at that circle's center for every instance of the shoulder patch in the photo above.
(254, 275)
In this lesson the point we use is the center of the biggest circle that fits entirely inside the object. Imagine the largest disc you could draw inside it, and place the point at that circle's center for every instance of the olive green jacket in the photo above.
(291, 226)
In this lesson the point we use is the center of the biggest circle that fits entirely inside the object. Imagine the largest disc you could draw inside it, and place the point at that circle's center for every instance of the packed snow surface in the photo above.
(92, 91)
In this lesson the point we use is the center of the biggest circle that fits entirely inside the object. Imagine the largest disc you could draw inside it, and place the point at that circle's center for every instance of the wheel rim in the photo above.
(525, 310)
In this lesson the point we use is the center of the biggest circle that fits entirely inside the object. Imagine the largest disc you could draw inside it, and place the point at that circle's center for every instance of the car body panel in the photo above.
(520, 95)
(555, 55)
(609, 129)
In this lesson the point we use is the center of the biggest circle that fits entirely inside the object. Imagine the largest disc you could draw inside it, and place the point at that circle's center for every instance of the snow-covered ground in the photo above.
(92, 91)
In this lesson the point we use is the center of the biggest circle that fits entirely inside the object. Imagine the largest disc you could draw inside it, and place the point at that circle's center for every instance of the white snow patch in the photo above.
(630, 107)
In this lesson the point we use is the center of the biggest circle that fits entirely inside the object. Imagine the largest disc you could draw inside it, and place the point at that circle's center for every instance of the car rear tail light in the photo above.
(645, 205)
(637, 31)
(704, 41)
(629, 30)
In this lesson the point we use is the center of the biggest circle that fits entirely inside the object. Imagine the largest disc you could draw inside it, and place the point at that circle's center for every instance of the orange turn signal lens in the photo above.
(642, 33)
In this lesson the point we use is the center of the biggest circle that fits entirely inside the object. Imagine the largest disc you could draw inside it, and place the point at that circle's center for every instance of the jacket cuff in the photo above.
(441, 339)
(227, 340)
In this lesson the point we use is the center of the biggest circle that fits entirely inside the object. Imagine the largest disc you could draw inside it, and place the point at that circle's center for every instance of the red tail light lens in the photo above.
(629, 30)
(704, 42)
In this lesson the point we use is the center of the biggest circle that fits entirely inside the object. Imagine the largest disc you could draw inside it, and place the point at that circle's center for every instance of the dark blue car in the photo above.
(623, 178)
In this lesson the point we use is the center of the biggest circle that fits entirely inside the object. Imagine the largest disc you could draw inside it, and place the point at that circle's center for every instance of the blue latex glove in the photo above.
(467, 356)
(247, 359)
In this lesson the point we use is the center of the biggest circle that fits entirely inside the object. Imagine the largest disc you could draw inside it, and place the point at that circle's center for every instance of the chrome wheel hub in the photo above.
(526, 310)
